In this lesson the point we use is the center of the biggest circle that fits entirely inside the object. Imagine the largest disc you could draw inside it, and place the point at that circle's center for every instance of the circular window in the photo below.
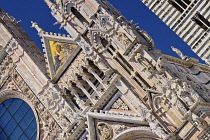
(17, 120)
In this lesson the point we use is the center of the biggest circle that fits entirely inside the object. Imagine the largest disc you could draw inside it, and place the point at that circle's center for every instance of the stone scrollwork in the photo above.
(28, 93)
(47, 125)
(38, 106)
(56, 105)
(54, 102)
(11, 85)
(105, 131)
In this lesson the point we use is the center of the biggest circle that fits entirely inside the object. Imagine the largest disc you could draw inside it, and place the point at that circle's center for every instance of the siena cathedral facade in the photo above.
(104, 81)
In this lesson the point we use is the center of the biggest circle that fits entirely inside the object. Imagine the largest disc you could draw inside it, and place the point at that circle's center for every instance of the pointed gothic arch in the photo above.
(77, 19)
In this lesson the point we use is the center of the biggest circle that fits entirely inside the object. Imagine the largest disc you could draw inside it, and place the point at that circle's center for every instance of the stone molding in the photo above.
(138, 132)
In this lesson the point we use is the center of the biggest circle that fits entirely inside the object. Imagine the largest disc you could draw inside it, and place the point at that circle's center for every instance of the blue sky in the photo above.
(37, 11)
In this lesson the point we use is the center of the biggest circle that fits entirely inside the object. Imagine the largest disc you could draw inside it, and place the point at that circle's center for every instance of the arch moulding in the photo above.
(8, 94)
(137, 134)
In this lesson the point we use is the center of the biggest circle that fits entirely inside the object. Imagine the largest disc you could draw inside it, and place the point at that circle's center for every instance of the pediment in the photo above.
(60, 52)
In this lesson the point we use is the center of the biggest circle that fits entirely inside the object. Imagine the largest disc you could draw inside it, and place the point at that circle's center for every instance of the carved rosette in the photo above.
(104, 131)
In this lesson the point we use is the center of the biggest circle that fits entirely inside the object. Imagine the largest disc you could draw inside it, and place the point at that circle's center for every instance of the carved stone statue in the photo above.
(160, 64)
(187, 88)
(179, 53)
(139, 57)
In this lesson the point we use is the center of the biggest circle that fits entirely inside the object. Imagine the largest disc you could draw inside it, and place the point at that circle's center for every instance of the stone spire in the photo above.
(49, 3)
(36, 26)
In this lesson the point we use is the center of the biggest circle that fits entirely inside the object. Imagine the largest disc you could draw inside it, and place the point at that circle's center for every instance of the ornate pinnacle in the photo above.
(49, 3)
(36, 26)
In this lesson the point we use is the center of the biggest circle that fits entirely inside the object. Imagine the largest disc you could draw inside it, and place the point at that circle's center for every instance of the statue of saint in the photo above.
(179, 53)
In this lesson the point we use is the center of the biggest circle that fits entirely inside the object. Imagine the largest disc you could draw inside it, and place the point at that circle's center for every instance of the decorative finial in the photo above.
(130, 22)
(179, 53)
(49, 3)
(19, 21)
(36, 26)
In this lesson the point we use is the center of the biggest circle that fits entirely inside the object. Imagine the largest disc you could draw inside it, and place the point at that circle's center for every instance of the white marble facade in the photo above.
(113, 84)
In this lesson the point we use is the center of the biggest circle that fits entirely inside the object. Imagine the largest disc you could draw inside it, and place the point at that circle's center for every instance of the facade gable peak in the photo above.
(58, 48)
